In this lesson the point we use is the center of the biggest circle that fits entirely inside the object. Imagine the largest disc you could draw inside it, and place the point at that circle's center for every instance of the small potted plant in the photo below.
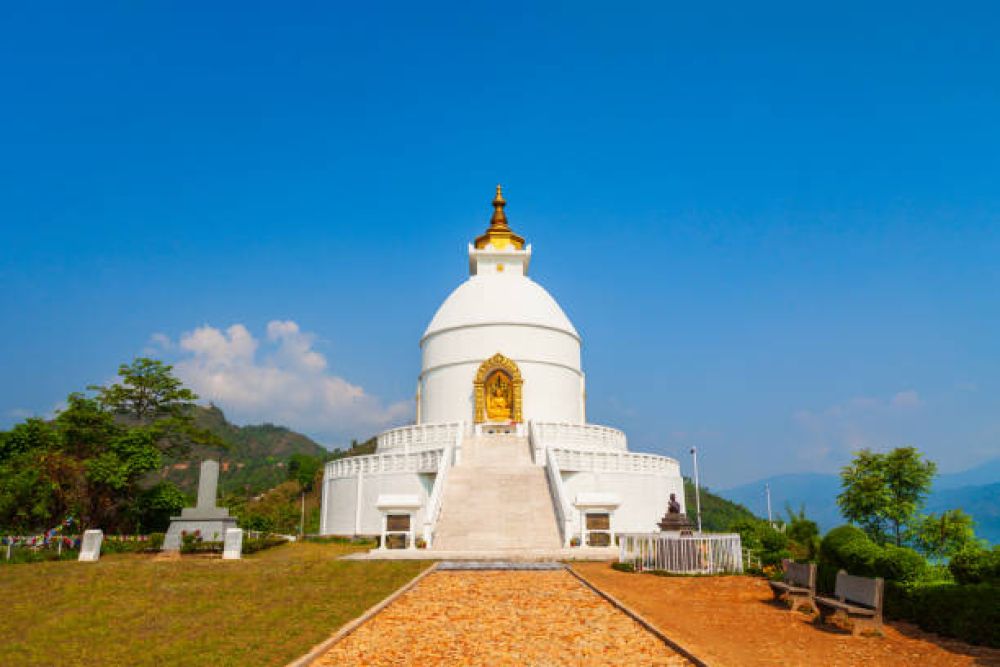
(574, 542)
(420, 543)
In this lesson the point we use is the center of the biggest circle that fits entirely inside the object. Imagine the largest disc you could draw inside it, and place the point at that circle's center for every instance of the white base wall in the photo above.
(644, 496)
(340, 501)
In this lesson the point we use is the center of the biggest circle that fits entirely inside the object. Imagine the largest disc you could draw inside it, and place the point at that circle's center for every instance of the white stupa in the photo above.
(500, 457)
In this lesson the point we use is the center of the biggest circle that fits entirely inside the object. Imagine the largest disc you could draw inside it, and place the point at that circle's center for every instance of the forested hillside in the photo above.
(255, 459)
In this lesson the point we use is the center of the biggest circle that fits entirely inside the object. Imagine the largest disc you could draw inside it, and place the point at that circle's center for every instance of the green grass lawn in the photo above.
(132, 610)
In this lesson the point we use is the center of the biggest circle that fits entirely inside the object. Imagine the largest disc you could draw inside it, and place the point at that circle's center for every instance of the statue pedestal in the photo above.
(674, 522)
(211, 521)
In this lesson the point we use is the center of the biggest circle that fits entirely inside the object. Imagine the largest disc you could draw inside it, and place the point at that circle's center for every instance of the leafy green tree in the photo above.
(865, 495)
(148, 391)
(302, 468)
(882, 493)
(908, 477)
(92, 461)
(150, 395)
(941, 536)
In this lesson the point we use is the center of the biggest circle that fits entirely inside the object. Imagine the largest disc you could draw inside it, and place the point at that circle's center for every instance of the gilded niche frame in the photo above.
(497, 362)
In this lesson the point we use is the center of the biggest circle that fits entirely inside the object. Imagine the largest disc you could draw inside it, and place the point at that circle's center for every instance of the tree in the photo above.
(302, 469)
(882, 493)
(150, 395)
(148, 391)
(865, 495)
(803, 531)
(908, 477)
(939, 537)
(92, 462)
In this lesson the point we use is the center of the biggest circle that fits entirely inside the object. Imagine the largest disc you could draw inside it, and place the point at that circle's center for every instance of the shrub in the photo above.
(970, 612)
(156, 541)
(975, 565)
(848, 548)
(623, 567)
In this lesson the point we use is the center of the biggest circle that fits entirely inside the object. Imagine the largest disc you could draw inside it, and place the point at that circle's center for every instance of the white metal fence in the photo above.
(695, 554)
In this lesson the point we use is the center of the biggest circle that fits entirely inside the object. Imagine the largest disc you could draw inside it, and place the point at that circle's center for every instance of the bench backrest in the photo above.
(802, 575)
(859, 590)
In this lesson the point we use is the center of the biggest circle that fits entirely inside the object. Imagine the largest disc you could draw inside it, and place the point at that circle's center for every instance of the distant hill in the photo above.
(255, 460)
(977, 491)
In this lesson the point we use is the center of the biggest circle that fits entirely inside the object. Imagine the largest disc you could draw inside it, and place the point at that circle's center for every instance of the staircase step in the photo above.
(496, 498)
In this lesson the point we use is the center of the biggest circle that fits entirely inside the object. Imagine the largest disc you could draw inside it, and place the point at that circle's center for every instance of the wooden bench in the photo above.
(798, 586)
(859, 599)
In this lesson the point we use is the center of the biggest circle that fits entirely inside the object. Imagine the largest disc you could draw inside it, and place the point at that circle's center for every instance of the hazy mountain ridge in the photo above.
(976, 491)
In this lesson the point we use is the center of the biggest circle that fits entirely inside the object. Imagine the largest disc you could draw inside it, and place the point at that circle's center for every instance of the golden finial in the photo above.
(499, 235)
(499, 218)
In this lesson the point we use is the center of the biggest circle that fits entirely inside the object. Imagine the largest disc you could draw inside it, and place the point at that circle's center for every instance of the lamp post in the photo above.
(697, 488)
(767, 492)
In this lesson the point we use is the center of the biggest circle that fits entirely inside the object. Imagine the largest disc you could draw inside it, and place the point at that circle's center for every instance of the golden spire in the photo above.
(499, 234)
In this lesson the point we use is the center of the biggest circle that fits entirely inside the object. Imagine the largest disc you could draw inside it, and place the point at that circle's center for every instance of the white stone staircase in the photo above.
(496, 499)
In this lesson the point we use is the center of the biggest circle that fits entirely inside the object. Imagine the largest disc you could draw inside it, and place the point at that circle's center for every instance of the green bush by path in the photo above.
(970, 612)
(976, 565)
(848, 548)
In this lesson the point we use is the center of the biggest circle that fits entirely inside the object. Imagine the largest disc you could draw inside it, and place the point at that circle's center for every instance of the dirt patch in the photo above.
(733, 621)
(500, 618)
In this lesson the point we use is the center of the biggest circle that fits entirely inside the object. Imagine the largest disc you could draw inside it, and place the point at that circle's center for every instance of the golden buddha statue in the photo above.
(499, 399)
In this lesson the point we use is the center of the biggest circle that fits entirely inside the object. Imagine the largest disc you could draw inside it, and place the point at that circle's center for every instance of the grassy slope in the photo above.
(131, 610)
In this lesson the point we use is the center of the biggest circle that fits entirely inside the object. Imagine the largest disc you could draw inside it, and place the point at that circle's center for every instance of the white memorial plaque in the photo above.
(90, 547)
(233, 547)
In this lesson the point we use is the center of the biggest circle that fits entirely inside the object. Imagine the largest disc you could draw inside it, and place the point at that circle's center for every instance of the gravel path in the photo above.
(732, 621)
(500, 618)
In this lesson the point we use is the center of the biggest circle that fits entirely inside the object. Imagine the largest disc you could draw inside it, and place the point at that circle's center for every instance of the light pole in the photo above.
(697, 488)
(302, 517)
(767, 492)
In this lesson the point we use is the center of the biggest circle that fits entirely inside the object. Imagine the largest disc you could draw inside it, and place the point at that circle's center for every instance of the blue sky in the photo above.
(777, 227)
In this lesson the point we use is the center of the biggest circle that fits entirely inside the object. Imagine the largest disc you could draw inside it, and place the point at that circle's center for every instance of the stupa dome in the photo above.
(496, 299)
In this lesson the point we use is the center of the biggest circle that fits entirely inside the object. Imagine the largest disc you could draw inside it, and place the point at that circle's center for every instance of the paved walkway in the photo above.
(500, 618)
(733, 621)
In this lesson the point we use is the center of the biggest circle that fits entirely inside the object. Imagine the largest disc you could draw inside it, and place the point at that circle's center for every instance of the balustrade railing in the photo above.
(425, 461)
(694, 554)
(434, 502)
(417, 437)
(598, 461)
(579, 436)
(559, 500)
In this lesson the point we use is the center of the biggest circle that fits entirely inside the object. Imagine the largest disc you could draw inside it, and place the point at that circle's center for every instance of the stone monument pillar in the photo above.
(206, 517)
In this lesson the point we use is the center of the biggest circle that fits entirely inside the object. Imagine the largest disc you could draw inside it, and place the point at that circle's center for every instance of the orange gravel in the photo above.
(733, 621)
(500, 618)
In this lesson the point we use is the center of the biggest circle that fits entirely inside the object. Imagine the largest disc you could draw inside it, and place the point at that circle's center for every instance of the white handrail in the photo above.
(558, 492)
(434, 502)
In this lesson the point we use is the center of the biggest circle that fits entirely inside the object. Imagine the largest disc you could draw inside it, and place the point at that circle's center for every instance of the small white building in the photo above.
(501, 455)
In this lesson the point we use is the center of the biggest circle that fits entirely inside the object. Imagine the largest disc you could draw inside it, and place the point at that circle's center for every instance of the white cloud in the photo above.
(858, 423)
(281, 379)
